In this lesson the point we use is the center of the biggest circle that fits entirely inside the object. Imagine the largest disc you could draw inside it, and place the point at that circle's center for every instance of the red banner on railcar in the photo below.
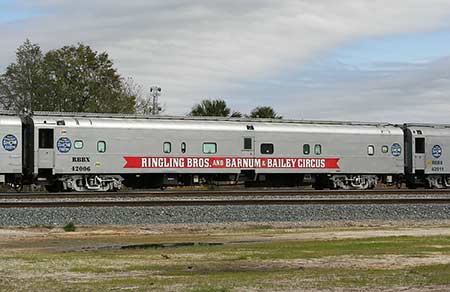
(230, 162)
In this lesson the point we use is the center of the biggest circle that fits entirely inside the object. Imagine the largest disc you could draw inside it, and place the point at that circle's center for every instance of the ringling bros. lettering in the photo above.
(229, 162)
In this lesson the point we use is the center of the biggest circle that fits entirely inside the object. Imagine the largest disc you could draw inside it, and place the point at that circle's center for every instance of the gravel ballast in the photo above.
(218, 214)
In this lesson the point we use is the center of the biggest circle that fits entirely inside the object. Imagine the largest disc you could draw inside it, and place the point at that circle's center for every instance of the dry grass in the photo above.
(249, 257)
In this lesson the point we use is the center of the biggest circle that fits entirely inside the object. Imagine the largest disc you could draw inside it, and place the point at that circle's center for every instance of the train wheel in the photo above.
(18, 187)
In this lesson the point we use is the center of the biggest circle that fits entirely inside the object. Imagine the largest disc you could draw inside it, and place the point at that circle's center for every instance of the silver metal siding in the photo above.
(433, 136)
(145, 137)
(11, 161)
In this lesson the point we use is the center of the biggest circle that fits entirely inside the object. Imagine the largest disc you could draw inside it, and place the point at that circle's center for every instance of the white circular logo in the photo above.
(436, 151)
(64, 144)
(10, 142)
(396, 149)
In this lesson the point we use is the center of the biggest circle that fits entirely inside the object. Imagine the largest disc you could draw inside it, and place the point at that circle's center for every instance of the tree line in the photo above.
(76, 78)
(219, 108)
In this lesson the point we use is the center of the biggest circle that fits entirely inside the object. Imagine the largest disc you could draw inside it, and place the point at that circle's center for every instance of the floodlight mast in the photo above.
(155, 92)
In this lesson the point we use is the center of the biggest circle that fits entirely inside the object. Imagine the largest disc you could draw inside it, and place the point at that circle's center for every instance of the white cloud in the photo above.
(197, 49)
(409, 92)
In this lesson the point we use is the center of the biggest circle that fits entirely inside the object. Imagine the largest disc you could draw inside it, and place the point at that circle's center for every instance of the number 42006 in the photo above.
(81, 168)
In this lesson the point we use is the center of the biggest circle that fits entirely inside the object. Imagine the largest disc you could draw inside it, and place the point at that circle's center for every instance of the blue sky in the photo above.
(360, 57)
(407, 47)
(375, 54)
(308, 59)
(10, 12)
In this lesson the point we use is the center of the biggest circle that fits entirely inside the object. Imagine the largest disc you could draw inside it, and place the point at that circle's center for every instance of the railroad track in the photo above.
(232, 202)
(221, 193)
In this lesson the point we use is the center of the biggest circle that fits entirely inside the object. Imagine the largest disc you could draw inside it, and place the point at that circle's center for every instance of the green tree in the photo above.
(70, 79)
(83, 80)
(264, 112)
(211, 108)
(236, 115)
(23, 83)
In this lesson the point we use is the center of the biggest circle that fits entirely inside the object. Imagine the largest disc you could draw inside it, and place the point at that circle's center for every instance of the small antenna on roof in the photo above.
(155, 92)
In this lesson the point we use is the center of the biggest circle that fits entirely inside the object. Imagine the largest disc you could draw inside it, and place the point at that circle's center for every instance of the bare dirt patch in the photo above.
(169, 234)
(390, 262)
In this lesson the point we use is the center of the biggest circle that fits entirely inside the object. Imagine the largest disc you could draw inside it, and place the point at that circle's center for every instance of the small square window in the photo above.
(317, 149)
(306, 149)
(420, 145)
(78, 144)
(385, 149)
(266, 148)
(371, 150)
(101, 146)
(209, 148)
(167, 147)
(248, 145)
(46, 138)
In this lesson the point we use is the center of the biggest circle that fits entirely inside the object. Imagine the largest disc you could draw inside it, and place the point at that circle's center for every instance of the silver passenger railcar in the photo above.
(97, 152)
(427, 157)
(10, 150)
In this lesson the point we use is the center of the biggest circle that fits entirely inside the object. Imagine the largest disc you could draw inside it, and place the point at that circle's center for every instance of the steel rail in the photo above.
(222, 193)
(237, 202)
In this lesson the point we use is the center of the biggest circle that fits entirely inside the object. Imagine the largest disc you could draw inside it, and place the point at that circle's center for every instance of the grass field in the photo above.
(238, 259)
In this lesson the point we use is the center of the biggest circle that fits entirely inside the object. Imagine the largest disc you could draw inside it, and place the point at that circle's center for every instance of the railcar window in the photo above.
(317, 149)
(385, 149)
(420, 145)
(248, 145)
(209, 148)
(167, 147)
(183, 147)
(371, 150)
(101, 146)
(306, 149)
(78, 144)
(46, 138)
(266, 148)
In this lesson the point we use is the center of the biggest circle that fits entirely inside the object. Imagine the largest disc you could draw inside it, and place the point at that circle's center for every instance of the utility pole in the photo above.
(155, 92)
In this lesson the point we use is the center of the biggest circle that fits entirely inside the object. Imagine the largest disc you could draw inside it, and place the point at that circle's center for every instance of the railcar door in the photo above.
(248, 168)
(419, 154)
(46, 153)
